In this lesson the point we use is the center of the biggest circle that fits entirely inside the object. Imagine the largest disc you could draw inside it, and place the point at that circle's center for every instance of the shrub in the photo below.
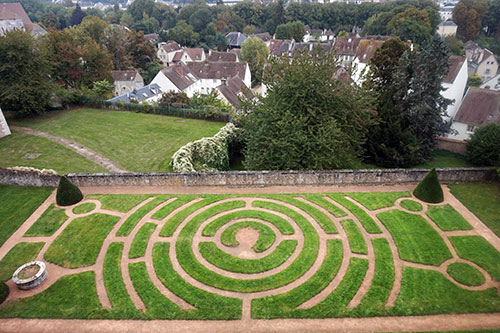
(67, 193)
(206, 154)
(484, 145)
(429, 189)
(4, 292)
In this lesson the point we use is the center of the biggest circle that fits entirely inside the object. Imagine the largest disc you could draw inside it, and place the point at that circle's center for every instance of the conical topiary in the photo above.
(429, 189)
(67, 193)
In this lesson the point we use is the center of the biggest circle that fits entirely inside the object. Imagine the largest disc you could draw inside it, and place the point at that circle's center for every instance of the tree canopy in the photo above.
(309, 119)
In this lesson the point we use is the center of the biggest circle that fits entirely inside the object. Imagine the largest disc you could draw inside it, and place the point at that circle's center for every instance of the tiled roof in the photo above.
(180, 75)
(177, 57)
(218, 70)
(366, 49)
(346, 45)
(222, 56)
(456, 63)
(14, 11)
(265, 36)
(171, 46)
(124, 75)
(195, 54)
(232, 88)
(479, 107)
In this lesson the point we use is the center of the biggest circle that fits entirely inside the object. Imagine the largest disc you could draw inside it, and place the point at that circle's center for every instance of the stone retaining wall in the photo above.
(252, 178)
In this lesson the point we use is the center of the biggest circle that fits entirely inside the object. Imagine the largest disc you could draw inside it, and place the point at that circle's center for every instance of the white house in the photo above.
(189, 55)
(14, 17)
(479, 107)
(446, 12)
(454, 83)
(365, 51)
(231, 90)
(492, 84)
(202, 78)
(166, 51)
(481, 61)
(447, 28)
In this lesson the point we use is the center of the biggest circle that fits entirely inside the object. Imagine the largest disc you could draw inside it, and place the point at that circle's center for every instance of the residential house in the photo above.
(454, 84)
(231, 90)
(482, 62)
(189, 55)
(265, 36)
(479, 107)
(446, 12)
(166, 51)
(127, 81)
(364, 52)
(214, 56)
(318, 35)
(148, 94)
(345, 48)
(279, 48)
(447, 28)
(235, 39)
(201, 77)
(152, 38)
(14, 17)
(492, 84)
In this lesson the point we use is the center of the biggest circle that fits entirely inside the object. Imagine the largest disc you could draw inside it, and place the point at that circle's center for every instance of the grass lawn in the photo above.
(481, 199)
(303, 238)
(136, 141)
(446, 159)
(15, 148)
(18, 203)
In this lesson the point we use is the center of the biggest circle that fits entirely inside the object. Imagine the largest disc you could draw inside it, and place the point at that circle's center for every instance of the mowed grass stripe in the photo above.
(141, 239)
(367, 222)
(169, 208)
(133, 219)
(282, 305)
(80, 242)
(119, 202)
(48, 223)
(209, 305)
(383, 280)
(280, 223)
(447, 218)
(113, 281)
(322, 202)
(225, 261)
(479, 251)
(303, 262)
(172, 223)
(377, 200)
(416, 240)
(322, 219)
(355, 237)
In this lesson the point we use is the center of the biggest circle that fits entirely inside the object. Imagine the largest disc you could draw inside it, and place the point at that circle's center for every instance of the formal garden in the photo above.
(252, 256)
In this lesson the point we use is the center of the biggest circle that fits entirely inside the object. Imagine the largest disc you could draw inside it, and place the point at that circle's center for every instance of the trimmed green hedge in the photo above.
(68, 193)
(429, 189)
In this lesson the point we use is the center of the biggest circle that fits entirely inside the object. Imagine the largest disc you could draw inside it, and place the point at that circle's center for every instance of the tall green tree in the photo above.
(77, 15)
(468, 15)
(184, 34)
(255, 52)
(308, 120)
(24, 84)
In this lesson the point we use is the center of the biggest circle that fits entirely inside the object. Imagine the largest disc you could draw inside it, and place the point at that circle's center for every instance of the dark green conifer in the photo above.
(429, 189)
(67, 193)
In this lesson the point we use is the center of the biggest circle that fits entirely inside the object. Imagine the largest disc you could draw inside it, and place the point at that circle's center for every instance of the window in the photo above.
(487, 71)
(215, 80)
(470, 128)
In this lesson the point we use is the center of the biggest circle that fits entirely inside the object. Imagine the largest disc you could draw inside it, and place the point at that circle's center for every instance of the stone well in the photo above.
(33, 281)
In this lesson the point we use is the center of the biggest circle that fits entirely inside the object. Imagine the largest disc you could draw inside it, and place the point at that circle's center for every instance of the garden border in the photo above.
(252, 178)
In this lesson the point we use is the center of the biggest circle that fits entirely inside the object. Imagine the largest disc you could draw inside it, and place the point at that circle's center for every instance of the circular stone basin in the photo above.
(30, 275)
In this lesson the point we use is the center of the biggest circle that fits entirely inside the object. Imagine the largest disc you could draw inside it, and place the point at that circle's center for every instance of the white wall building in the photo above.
(455, 83)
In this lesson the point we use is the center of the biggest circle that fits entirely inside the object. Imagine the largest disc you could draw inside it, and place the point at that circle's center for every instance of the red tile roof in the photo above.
(222, 56)
(130, 75)
(366, 49)
(218, 70)
(479, 107)
(171, 46)
(180, 75)
(14, 11)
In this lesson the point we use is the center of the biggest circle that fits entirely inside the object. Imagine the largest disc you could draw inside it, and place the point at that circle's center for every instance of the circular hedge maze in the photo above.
(256, 256)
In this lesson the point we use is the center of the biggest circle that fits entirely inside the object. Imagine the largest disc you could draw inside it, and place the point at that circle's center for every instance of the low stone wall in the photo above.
(252, 178)
(455, 146)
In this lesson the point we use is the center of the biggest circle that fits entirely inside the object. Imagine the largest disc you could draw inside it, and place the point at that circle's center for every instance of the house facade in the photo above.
(482, 62)
(166, 51)
(454, 84)
(14, 17)
(148, 94)
(479, 107)
(127, 81)
(447, 28)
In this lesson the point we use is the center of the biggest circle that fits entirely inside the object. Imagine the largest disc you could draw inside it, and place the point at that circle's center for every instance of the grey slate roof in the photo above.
(235, 39)
(139, 95)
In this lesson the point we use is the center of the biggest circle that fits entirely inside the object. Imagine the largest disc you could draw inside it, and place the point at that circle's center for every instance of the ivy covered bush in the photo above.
(205, 154)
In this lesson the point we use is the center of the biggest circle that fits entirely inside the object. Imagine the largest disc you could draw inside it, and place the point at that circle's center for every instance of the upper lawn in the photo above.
(15, 148)
(446, 159)
(481, 199)
(17, 204)
(136, 141)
